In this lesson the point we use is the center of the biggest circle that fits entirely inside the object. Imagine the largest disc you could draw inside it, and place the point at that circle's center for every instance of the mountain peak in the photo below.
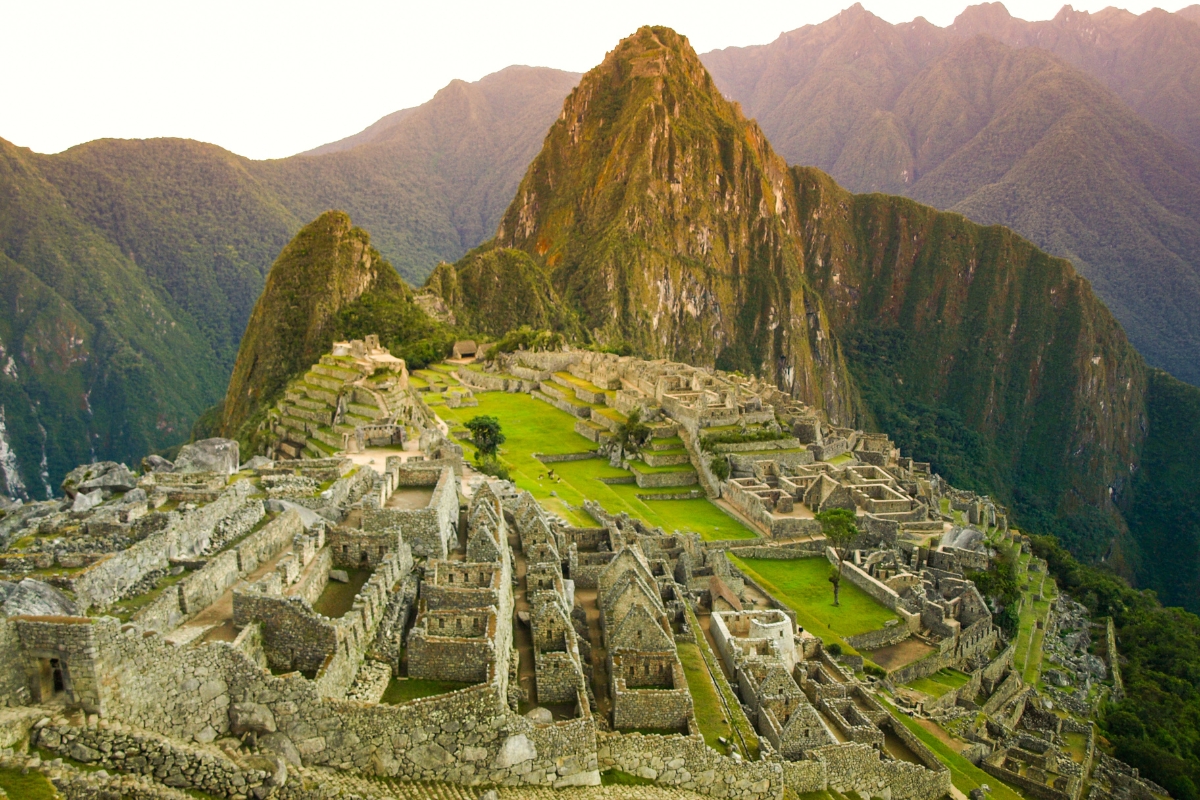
(328, 265)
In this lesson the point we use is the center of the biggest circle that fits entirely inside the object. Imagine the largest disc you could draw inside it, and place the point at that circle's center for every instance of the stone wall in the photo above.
(859, 768)
(206, 769)
(202, 588)
(426, 530)
(687, 762)
(14, 684)
(267, 542)
(883, 637)
(73, 642)
(107, 581)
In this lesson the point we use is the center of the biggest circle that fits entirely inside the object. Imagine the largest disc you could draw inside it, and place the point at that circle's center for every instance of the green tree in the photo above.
(486, 435)
(840, 529)
(633, 434)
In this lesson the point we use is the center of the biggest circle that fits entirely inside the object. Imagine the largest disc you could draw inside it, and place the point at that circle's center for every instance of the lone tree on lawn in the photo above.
(633, 434)
(486, 435)
(840, 530)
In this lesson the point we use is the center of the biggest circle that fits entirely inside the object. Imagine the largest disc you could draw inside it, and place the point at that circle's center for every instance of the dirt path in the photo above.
(587, 599)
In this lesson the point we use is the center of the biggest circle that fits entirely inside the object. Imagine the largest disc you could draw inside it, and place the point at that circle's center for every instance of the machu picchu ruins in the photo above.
(358, 608)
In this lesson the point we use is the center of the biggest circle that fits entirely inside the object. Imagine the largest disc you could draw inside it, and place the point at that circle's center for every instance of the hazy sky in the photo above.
(268, 79)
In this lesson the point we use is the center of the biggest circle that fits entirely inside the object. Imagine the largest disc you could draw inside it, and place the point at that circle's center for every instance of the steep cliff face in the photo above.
(661, 215)
(326, 267)
(499, 289)
(975, 320)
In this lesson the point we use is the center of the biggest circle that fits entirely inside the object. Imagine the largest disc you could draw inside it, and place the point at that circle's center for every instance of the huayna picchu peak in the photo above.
(704, 476)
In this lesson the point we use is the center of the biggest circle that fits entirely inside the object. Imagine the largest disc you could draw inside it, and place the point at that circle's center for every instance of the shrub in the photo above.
(492, 466)
(720, 467)
(834, 649)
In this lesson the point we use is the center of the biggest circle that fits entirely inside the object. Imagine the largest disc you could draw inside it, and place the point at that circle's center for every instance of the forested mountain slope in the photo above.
(130, 267)
(1003, 135)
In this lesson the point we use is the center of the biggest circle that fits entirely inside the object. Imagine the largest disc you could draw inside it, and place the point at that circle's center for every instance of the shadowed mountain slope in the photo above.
(1003, 135)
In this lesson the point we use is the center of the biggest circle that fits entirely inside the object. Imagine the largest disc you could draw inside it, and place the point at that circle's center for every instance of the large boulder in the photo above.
(250, 718)
(280, 745)
(115, 479)
(35, 599)
(156, 463)
(257, 462)
(308, 517)
(107, 475)
(86, 501)
(208, 455)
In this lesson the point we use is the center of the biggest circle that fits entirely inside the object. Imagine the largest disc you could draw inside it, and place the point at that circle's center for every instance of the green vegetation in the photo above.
(1000, 582)
(485, 434)
(615, 777)
(405, 689)
(803, 585)
(839, 528)
(338, 598)
(710, 715)
(1156, 728)
(633, 434)
(963, 774)
(31, 785)
(940, 682)
(719, 465)
(769, 434)
(536, 427)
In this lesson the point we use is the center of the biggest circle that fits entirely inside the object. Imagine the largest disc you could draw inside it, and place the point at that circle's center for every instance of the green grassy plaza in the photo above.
(401, 691)
(532, 426)
(803, 584)
(940, 682)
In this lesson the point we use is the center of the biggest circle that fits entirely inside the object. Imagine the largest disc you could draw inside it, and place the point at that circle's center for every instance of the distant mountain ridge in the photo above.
(129, 268)
(1010, 136)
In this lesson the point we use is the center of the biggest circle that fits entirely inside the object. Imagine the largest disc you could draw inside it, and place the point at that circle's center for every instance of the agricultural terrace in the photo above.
(531, 426)
(803, 585)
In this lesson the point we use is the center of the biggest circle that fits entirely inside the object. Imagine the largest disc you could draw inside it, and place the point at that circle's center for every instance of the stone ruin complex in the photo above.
(241, 628)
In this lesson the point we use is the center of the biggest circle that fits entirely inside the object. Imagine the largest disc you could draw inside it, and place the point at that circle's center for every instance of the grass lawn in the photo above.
(739, 725)
(30, 786)
(940, 682)
(803, 584)
(615, 777)
(532, 426)
(710, 715)
(338, 597)
(414, 688)
(963, 774)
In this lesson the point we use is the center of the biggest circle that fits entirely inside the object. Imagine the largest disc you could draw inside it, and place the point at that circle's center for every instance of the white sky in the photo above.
(268, 79)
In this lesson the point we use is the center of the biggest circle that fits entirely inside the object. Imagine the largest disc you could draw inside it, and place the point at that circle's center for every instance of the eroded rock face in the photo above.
(36, 599)
(209, 455)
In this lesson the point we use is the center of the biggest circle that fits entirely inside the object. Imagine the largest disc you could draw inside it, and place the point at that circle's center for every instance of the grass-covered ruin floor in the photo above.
(710, 715)
(338, 598)
(401, 691)
(940, 682)
(803, 584)
(963, 774)
(532, 426)
(28, 786)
